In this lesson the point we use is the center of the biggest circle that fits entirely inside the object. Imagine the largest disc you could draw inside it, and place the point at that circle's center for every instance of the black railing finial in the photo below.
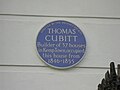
(111, 80)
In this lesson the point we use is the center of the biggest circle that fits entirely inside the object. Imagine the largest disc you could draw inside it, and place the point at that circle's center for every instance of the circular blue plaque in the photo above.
(61, 44)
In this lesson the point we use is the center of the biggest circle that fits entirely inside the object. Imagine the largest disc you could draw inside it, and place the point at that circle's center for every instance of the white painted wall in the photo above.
(20, 22)
(88, 8)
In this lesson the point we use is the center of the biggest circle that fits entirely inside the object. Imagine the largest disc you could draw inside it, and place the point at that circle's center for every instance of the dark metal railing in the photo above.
(111, 80)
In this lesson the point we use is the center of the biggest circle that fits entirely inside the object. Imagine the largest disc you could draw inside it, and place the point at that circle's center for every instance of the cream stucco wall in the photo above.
(20, 22)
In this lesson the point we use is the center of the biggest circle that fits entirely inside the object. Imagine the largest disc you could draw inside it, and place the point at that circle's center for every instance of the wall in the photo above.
(20, 22)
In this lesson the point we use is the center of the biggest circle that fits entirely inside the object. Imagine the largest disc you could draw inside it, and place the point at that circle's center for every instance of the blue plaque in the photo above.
(61, 44)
